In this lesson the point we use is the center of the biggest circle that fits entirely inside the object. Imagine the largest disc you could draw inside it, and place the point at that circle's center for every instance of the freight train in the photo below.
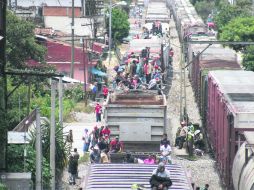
(224, 94)
(139, 116)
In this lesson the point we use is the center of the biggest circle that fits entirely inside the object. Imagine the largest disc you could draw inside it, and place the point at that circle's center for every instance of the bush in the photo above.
(3, 187)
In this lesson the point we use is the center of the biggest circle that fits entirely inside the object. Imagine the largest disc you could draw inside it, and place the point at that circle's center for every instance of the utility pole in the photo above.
(53, 135)
(181, 85)
(72, 41)
(110, 30)
(60, 94)
(38, 151)
(3, 86)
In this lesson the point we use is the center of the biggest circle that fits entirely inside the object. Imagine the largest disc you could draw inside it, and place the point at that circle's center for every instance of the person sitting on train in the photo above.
(160, 179)
(150, 160)
(106, 131)
(115, 146)
(129, 158)
(105, 157)
(182, 135)
(164, 139)
(102, 144)
(95, 155)
(165, 156)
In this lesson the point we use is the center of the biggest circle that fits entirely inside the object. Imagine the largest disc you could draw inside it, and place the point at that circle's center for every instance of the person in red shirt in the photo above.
(115, 146)
(98, 111)
(105, 91)
(106, 131)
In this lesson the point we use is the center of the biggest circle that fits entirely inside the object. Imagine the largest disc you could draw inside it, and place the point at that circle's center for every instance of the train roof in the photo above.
(249, 137)
(220, 53)
(238, 89)
(137, 45)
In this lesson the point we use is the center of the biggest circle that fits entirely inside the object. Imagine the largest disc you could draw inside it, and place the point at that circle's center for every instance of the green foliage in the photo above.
(75, 92)
(204, 8)
(62, 146)
(227, 13)
(239, 29)
(3, 187)
(120, 24)
(21, 45)
(248, 58)
(16, 152)
(81, 107)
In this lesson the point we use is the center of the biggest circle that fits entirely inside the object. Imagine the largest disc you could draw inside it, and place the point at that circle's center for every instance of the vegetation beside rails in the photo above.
(233, 23)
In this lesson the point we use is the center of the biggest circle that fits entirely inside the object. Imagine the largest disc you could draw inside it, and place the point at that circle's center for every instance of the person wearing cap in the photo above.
(115, 145)
(198, 140)
(182, 135)
(160, 179)
(95, 156)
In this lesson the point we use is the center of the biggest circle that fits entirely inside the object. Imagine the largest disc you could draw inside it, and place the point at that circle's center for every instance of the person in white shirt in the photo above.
(165, 150)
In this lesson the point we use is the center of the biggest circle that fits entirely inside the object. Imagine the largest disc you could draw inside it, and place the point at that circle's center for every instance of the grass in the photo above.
(81, 107)
(84, 159)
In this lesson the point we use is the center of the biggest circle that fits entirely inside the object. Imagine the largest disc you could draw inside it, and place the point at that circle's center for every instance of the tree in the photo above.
(21, 44)
(228, 12)
(204, 8)
(239, 29)
(120, 25)
(248, 58)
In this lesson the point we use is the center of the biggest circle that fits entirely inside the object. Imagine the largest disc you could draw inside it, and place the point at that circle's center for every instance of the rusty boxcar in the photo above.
(230, 112)
(214, 58)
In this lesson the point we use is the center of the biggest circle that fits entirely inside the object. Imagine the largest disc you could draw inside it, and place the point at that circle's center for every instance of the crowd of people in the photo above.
(188, 133)
(139, 72)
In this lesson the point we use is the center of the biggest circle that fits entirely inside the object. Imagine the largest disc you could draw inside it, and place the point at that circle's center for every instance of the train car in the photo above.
(230, 112)
(214, 58)
(243, 165)
(157, 11)
(158, 50)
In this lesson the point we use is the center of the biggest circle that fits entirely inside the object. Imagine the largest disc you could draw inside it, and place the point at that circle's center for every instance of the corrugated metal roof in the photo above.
(37, 3)
(123, 176)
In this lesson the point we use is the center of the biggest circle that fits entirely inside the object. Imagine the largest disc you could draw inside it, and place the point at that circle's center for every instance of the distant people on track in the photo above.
(72, 169)
(160, 179)
(87, 140)
(181, 135)
(105, 91)
(98, 112)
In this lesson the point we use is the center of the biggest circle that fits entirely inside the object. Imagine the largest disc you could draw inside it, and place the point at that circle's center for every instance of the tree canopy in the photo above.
(239, 29)
(248, 58)
(21, 44)
(120, 24)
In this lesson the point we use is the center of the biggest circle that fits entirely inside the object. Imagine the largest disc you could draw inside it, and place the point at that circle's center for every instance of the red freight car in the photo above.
(214, 58)
(230, 112)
